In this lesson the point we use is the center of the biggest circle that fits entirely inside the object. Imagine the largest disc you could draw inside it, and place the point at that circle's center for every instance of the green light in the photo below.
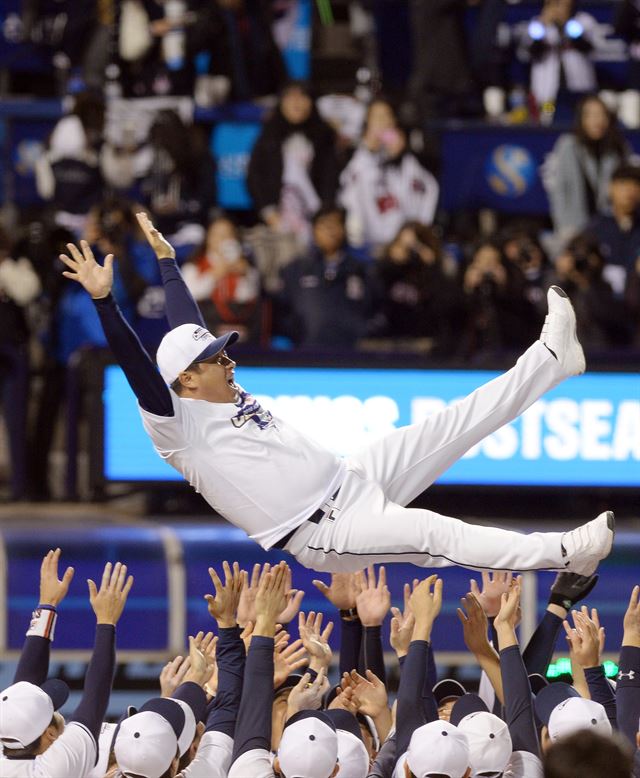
(563, 667)
(325, 11)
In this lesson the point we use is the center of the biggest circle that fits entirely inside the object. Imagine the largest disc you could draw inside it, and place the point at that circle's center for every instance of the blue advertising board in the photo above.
(585, 432)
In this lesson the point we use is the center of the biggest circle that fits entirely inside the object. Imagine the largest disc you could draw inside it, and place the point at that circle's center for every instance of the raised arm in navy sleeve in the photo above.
(350, 640)
(230, 656)
(410, 713)
(253, 729)
(601, 691)
(98, 681)
(385, 760)
(518, 701)
(628, 692)
(539, 651)
(142, 375)
(371, 653)
(180, 306)
(33, 665)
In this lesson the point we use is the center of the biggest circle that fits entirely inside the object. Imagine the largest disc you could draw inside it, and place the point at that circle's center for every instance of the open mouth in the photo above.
(230, 381)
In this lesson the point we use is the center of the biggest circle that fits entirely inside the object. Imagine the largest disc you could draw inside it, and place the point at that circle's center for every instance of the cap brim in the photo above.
(463, 706)
(446, 689)
(57, 690)
(537, 682)
(550, 696)
(218, 345)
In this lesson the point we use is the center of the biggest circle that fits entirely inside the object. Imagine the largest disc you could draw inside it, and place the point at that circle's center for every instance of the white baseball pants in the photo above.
(368, 522)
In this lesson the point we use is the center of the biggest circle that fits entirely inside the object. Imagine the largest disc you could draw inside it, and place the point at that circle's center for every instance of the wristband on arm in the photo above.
(43, 622)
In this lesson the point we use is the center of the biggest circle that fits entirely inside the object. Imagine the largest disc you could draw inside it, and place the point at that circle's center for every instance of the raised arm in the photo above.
(342, 594)
(142, 375)
(373, 602)
(34, 659)
(180, 306)
(628, 685)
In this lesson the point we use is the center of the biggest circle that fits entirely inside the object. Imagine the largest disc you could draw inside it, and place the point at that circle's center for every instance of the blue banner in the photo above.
(585, 432)
(231, 145)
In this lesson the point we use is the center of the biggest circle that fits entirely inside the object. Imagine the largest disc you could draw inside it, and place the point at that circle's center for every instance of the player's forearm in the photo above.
(147, 384)
(372, 654)
(490, 663)
(539, 651)
(230, 656)
(34, 658)
(517, 700)
(253, 728)
(350, 640)
(628, 692)
(180, 306)
(600, 691)
(98, 681)
(410, 713)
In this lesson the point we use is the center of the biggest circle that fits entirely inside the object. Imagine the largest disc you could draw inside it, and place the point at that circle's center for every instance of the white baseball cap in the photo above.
(575, 714)
(309, 746)
(490, 745)
(352, 753)
(438, 747)
(186, 344)
(524, 765)
(26, 711)
(147, 743)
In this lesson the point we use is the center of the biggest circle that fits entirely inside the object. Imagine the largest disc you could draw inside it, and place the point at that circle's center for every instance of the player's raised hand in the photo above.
(373, 599)
(271, 599)
(223, 606)
(474, 625)
(172, 675)
(631, 623)
(370, 693)
(95, 278)
(493, 587)
(583, 640)
(509, 615)
(402, 624)
(315, 639)
(287, 658)
(425, 603)
(294, 601)
(163, 249)
(52, 589)
(307, 694)
(341, 592)
(109, 600)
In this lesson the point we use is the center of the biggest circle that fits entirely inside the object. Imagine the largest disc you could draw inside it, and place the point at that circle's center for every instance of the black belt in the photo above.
(315, 518)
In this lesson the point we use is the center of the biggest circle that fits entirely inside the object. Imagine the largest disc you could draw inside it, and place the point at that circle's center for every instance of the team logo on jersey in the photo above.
(250, 410)
(630, 675)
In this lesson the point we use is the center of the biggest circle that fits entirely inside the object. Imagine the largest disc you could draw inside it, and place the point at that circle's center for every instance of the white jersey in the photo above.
(255, 469)
(379, 198)
(71, 756)
(212, 759)
(256, 763)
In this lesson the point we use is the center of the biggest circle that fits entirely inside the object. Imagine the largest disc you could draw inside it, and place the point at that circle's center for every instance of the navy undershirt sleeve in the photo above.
(33, 665)
(518, 701)
(601, 691)
(180, 306)
(253, 729)
(628, 692)
(539, 651)
(385, 760)
(410, 713)
(371, 653)
(142, 375)
(230, 656)
(98, 681)
(350, 640)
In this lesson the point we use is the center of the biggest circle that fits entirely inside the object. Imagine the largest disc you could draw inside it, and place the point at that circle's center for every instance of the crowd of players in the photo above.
(255, 701)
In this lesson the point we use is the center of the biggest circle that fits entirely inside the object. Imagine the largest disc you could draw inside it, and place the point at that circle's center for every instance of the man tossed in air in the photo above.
(286, 491)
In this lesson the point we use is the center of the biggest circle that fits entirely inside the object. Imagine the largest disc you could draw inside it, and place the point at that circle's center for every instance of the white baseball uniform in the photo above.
(267, 478)
(72, 754)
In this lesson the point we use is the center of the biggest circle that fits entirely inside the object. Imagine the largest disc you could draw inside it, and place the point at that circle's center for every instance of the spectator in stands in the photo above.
(68, 174)
(238, 39)
(179, 186)
(578, 171)
(579, 269)
(384, 184)
(326, 296)
(225, 283)
(521, 247)
(418, 299)
(293, 169)
(559, 42)
(632, 300)
(441, 78)
(19, 286)
(499, 318)
(618, 233)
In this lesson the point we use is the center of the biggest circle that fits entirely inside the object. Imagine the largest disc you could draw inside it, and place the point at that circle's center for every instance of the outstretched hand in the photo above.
(163, 249)
(52, 589)
(95, 278)
(109, 600)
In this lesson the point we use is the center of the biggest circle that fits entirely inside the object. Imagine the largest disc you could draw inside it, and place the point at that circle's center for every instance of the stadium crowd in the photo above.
(263, 698)
(347, 247)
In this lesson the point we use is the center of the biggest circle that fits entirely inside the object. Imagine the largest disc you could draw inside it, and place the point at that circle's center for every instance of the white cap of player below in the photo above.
(26, 711)
(576, 714)
(186, 344)
(489, 740)
(309, 746)
(523, 765)
(147, 743)
(438, 747)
